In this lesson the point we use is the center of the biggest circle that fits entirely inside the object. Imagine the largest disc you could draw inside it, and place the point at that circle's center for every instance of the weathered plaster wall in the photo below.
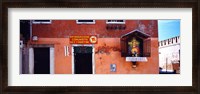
(66, 28)
(112, 55)
(107, 52)
(63, 63)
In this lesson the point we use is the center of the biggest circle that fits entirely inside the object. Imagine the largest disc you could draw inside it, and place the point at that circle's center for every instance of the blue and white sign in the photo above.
(113, 67)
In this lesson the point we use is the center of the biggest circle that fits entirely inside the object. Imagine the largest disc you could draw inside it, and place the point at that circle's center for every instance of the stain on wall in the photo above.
(106, 49)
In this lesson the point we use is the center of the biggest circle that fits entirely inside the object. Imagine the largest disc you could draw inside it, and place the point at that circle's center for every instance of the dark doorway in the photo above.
(83, 60)
(41, 61)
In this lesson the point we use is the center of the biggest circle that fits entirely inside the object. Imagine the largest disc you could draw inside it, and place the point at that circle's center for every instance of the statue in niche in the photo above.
(134, 47)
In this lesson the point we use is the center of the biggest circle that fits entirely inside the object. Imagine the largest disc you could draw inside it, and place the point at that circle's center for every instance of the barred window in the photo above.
(41, 21)
(115, 22)
(85, 21)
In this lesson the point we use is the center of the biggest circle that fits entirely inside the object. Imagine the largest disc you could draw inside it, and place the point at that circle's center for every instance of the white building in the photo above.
(169, 55)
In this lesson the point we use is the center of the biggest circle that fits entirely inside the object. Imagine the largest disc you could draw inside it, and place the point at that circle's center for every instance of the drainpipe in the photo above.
(166, 64)
(31, 30)
(30, 53)
(179, 61)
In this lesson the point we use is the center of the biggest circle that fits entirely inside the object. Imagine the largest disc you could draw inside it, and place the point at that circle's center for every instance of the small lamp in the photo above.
(35, 38)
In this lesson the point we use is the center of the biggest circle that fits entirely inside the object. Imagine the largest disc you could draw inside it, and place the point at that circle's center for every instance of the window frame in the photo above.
(40, 22)
(124, 21)
(77, 22)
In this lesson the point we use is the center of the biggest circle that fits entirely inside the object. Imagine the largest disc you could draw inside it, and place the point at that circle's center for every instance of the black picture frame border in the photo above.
(194, 4)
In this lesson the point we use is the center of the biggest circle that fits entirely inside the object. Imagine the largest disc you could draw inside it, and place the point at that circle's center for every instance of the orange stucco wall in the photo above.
(66, 28)
(113, 56)
(107, 52)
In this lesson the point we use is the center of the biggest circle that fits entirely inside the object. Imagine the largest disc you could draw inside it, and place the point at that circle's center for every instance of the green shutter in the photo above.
(147, 47)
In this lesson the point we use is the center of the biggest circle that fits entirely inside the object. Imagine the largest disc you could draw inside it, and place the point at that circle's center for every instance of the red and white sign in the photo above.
(83, 39)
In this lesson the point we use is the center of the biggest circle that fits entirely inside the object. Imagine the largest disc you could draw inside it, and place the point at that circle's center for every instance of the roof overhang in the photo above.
(137, 33)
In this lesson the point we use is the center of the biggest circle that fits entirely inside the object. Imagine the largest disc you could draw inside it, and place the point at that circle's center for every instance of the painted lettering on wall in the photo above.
(83, 39)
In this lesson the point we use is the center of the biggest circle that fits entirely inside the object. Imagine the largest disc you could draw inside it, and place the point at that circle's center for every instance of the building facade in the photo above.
(91, 47)
(169, 55)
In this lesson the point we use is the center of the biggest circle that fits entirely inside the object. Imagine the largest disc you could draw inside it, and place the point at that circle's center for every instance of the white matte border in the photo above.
(183, 79)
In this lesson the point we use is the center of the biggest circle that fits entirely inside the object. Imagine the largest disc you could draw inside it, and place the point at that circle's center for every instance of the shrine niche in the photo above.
(135, 44)
(135, 47)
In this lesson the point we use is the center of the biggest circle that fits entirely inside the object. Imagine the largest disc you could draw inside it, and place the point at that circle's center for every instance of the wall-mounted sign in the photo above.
(83, 39)
(113, 67)
(143, 59)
